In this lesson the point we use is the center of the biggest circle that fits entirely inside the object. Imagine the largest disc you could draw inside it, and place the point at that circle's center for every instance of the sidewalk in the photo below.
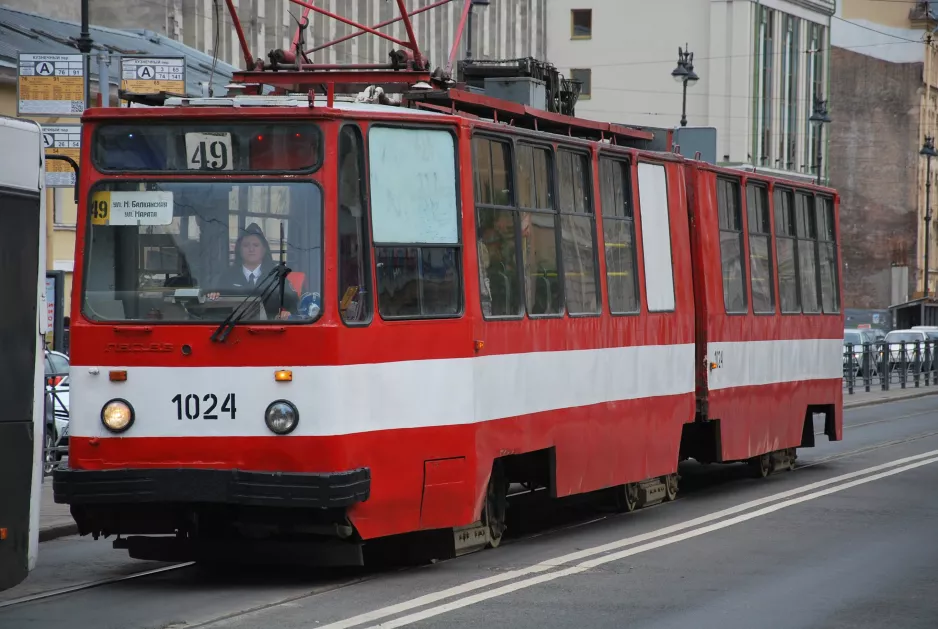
(877, 396)
(56, 521)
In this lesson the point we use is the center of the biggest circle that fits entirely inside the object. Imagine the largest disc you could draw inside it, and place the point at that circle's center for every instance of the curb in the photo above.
(886, 400)
(57, 531)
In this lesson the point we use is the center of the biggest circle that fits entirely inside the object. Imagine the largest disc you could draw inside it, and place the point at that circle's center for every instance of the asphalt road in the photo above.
(849, 539)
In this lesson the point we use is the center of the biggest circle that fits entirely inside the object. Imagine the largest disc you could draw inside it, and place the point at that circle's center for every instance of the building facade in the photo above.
(884, 102)
(502, 29)
(761, 65)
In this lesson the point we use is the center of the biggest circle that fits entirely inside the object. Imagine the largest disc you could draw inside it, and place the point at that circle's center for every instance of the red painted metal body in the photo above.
(595, 445)
(611, 426)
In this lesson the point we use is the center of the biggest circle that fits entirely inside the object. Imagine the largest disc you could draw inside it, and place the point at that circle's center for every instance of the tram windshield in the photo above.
(192, 251)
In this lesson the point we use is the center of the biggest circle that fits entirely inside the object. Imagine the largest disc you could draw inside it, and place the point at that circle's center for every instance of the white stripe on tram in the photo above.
(349, 399)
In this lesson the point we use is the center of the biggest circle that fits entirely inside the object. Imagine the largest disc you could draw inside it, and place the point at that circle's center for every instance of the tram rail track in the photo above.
(589, 519)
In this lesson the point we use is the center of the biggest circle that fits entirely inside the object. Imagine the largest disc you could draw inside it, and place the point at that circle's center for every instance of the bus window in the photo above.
(760, 261)
(542, 286)
(806, 223)
(354, 295)
(731, 246)
(415, 222)
(619, 236)
(830, 295)
(497, 229)
(576, 230)
(656, 236)
(191, 251)
(786, 261)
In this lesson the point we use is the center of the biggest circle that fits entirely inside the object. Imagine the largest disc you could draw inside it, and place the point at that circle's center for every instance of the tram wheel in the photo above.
(761, 465)
(670, 487)
(792, 455)
(496, 505)
(626, 497)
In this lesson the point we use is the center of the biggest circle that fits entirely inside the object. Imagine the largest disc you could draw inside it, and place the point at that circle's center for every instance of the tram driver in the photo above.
(253, 262)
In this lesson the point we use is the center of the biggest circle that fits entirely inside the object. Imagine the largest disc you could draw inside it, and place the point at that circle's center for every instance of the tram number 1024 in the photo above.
(193, 407)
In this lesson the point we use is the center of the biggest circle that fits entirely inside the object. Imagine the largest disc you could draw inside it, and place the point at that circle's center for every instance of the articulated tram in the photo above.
(316, 320)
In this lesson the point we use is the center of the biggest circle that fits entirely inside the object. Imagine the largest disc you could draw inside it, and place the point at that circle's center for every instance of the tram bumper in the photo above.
(187, 514)
(333, 490)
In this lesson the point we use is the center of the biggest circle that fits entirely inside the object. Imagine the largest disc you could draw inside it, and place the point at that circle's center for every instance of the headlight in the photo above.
(117, 415)
(281, 417)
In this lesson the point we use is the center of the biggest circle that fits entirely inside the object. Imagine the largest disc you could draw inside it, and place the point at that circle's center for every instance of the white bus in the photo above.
(22, 326)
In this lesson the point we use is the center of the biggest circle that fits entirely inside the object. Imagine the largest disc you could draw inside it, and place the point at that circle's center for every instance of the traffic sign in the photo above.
(50, 85)
(152, 75)
(61, 140)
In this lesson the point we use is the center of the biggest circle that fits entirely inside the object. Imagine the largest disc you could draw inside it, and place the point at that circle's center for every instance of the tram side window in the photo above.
(576, 231)
(415, 221)
(542, 287)
(785, 248)
(760, 261)
(497, 229)
(830, 295)
(355, 300)
(806, 224)
(731, 246)
(656, 236)
(619, 236)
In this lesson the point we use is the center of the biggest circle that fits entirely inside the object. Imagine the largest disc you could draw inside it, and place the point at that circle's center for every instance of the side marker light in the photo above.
(283, 375)
(117, 376)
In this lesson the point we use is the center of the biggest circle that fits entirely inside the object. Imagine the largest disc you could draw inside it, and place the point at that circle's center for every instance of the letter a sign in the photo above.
(50, 85)
(152, 75)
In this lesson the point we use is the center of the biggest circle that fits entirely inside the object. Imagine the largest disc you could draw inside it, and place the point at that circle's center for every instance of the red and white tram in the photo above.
(312, 321)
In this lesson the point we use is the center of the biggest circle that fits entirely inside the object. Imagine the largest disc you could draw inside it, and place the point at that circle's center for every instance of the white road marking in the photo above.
(593, 563)
(550, 564)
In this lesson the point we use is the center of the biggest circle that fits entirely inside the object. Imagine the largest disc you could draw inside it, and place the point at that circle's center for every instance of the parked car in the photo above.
(913, 339)
(859, 338)
(57, 368)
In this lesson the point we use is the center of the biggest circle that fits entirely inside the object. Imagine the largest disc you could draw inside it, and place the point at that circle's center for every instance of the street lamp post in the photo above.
(684, 74)
(820, 118)
(928, 150)
(472, 5)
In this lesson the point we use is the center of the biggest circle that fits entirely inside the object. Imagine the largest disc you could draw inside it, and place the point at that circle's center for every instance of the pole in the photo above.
(84, 47)
(820, 130)
(104, 81)
(684, 105)
(927, 218)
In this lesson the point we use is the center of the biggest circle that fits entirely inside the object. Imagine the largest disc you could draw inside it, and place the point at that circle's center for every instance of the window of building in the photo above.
(581, 23)
(760, 261)
(355, 299)
(731, 245)
(585, 78)
(806, 224)
(830, 294)
(764, 105)
(817, 56)
(656, 236)
(414, 222)
(542, 286)
(577, 232)
(497, 228)
(619, 236)
(789, 145)
(785, 247)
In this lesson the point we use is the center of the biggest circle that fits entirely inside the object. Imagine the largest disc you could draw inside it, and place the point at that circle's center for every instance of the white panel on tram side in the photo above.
(656, 236)
(22, 167)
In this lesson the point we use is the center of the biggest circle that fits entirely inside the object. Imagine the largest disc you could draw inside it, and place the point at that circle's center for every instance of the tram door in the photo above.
(22, 268)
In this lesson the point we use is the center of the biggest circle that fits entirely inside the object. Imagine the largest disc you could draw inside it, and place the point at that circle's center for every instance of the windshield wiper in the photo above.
(261, 292)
